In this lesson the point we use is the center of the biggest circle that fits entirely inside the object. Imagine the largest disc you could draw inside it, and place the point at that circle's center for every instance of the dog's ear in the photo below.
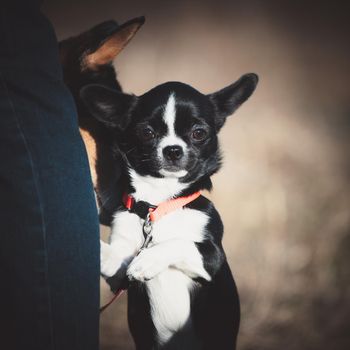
(111, 107)
(99, 45)
(227, 100)
(111, 40)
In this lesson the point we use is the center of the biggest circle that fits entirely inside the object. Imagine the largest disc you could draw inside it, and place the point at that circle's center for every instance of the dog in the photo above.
(87, 58)
(167, 237)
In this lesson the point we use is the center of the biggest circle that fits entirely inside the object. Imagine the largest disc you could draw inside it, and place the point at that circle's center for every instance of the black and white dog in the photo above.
(182, 294)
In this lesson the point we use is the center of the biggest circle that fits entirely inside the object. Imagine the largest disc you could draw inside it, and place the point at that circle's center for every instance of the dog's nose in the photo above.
(173, 152)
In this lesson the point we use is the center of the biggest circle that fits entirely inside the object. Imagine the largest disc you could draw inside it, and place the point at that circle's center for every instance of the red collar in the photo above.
(157, 212)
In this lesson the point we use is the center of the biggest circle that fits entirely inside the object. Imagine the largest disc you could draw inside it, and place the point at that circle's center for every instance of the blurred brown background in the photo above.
(284, 189)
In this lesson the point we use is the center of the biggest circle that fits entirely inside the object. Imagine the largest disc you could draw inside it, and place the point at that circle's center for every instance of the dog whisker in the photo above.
(130, 150)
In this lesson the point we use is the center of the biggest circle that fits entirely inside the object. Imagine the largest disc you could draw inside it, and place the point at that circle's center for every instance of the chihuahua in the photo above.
(167, 237)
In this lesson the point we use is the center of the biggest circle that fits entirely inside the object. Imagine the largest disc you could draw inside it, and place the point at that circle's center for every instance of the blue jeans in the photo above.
(49, 234)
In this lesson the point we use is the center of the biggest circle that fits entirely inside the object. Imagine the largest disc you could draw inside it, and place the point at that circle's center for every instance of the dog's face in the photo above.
(170, 131)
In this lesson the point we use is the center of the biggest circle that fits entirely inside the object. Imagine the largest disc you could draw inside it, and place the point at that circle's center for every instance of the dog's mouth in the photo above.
(173, 168)
(166, 172)
(181, 170)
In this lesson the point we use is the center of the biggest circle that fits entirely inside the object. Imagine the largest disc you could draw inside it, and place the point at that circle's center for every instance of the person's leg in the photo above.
(49, 241)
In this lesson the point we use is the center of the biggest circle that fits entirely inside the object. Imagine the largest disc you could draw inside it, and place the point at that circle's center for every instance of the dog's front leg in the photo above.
(125, 240)
(115, 258)
(179, 254)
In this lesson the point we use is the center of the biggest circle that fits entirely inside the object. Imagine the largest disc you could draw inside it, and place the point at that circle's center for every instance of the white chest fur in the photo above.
(172, 259)
(182, 224)
(169, 295)
(155, 190)
(173, 241)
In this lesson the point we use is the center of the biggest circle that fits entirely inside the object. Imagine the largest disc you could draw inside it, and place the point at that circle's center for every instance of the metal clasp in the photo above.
(147, 232)
(147, 226)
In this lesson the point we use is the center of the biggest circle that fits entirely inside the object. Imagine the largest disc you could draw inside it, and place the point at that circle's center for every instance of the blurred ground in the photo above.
(284, 189)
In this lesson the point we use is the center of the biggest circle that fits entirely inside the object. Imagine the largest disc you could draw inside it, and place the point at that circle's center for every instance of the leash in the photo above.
(150, 213)
(118, 294)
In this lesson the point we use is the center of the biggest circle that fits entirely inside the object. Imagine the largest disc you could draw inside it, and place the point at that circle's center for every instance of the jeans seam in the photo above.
(43, 226)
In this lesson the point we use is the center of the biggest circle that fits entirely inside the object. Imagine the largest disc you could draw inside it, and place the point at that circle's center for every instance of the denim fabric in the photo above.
(49, 240)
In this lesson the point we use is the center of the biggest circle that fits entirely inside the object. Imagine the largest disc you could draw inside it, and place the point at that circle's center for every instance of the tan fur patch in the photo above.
(90, 146)
(111, 47)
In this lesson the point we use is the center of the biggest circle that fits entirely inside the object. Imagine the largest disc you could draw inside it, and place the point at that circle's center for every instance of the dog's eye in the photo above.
(147, 134)
(199, 134)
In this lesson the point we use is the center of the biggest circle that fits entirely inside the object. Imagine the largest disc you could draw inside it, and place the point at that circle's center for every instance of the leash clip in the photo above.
(147, 226)
(147, 232)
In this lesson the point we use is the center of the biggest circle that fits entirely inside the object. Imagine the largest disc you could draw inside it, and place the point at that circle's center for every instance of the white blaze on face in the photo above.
(171, 139)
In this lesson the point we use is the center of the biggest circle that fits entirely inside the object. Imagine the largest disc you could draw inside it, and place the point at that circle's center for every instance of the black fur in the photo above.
(73, 54)
(215, 304)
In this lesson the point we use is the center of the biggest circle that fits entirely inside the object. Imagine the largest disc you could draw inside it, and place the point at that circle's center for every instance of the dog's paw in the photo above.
(110, 261)
(146, 266)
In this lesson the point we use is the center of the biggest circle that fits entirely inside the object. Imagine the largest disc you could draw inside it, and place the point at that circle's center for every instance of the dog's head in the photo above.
(170, 131)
